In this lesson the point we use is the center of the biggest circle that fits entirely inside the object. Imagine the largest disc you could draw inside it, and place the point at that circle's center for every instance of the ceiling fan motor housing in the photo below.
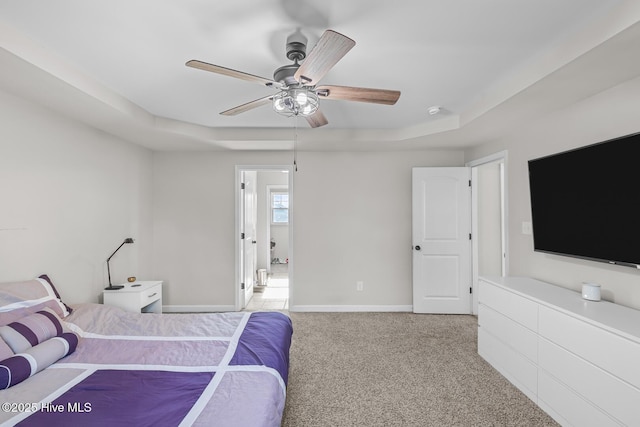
(296, 51)
(285, 74)
(296, 46)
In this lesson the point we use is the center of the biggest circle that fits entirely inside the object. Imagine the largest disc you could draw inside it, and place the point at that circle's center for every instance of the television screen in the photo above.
(585, 202)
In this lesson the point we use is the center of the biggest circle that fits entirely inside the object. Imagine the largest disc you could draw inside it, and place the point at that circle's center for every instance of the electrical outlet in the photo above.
(359, 285)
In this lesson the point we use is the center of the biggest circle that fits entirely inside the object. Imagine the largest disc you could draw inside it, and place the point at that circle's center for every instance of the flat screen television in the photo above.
(585, 203)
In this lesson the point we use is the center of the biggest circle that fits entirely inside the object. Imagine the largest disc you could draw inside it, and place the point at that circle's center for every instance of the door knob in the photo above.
(418, 248)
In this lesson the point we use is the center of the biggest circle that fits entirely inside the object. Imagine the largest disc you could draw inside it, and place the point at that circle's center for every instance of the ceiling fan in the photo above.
(297, 83)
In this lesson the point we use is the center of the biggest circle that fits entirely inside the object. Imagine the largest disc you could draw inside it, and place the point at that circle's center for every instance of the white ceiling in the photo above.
(119, 66)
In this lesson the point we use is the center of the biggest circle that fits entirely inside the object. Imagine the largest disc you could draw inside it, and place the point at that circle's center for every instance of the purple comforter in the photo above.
(227, 369)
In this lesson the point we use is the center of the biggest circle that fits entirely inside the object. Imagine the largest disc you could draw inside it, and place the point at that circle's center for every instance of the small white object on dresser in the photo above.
(139, 296)
(577, 359)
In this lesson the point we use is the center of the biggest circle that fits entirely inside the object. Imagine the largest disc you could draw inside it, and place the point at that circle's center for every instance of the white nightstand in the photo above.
(139, 296)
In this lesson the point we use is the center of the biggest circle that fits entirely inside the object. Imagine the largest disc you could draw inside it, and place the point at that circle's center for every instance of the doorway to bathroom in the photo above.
(264, 221)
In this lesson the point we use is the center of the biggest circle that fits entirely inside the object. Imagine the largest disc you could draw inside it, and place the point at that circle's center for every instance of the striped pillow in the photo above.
(18, 299)
(18, 368)
(57, 294)
(31, 330)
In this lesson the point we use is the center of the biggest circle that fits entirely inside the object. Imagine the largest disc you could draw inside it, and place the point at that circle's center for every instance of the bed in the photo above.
(97, 365)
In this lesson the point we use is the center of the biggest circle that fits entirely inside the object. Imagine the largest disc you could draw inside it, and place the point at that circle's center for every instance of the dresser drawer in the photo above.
(515, 307)
(604, 390)
(568, 408)
(611, 352)
(516, 336)
(514, 366)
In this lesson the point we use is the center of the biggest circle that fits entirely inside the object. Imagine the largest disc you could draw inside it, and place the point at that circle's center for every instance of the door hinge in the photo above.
(470, 290)
(469, 236)
(469, 183)
(242, 185)
(242, 236)
(242, 285)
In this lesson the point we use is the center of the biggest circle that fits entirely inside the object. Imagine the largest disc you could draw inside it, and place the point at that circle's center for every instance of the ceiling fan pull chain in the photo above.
(295, 142)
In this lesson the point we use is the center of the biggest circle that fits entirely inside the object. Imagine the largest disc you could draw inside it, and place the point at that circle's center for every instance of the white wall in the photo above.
(610, 114)
(351, 221)
(194, 224)
(70, 196)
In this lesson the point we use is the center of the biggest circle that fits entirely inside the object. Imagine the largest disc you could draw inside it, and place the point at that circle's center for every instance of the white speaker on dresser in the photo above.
(591, 291)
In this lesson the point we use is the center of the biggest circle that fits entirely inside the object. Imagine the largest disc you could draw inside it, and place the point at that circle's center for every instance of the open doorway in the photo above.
(489, 219)
(263, 255)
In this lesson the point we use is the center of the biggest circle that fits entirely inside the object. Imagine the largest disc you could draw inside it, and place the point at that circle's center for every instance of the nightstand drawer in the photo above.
(150, 295)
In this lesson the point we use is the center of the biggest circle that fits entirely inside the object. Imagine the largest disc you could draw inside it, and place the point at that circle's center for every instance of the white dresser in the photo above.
(578, 360)
(139, 296)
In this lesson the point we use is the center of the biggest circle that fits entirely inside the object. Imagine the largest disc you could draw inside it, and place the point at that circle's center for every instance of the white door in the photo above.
(441, 231)
(248, 233)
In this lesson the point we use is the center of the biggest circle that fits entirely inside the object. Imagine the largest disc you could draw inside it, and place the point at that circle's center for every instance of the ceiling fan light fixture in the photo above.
(295, 101)
(278, 104)
(306, 111)
(301, 98)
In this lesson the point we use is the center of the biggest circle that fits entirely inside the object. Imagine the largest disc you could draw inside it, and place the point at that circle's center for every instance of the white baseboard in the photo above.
(351, 308)
(298, 308)
(197, 308)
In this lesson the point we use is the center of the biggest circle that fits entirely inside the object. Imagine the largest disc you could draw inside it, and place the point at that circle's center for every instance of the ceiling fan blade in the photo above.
(317, 119)
(360, 94)
(248, 106)
(331, 47)
(231, 73)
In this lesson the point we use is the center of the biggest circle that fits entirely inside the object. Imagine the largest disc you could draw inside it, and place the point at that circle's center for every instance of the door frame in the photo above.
(239, 169)
(499, 157)
(248, 249)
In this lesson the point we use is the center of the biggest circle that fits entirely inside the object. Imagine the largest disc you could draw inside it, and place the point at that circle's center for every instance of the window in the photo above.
(279, 207)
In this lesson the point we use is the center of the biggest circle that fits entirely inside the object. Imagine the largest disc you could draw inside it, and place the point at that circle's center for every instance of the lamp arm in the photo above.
(114, 252)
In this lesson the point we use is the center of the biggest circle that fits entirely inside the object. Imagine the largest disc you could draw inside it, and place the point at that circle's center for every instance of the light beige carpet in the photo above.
(397, 369)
